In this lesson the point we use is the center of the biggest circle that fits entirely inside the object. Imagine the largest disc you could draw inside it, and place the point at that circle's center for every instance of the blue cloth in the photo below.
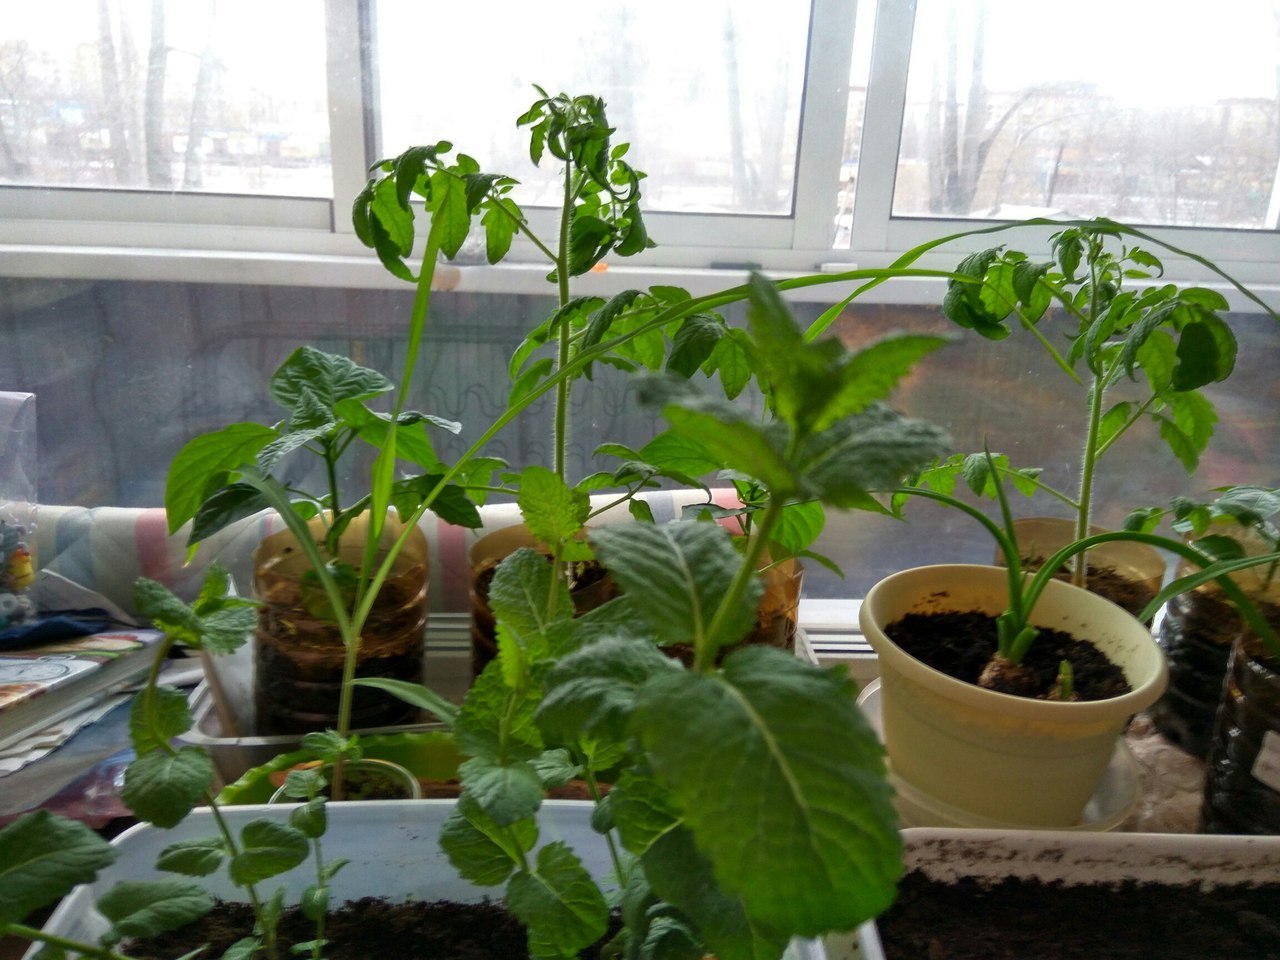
(62, 625)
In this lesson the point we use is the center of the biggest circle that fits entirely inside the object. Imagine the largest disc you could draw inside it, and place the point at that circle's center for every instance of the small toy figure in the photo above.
(17, 573)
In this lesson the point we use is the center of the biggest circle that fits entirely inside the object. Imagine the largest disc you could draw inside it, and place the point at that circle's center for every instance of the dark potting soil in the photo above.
(367, 929)
(1020, 919)
(960, 644)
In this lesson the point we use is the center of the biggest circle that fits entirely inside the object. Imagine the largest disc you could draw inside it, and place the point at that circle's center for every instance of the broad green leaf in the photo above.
(144, 908)
(873, 451)
(500, 221)
(193, 858)
(673, 453)
(491, 706)
(224, 507)
(555, 768)
(203, 465)
(162, 788)
(450, 216)
(799, 525)
(643, 811)
(479, 849)
(519, 592)
(156, 716)
(42, 856)
(390, 204)
(244, 949)
(559, 903)
(507, 792)
(1189, 427)
(682, 570)
(729, 359)
(590, 692)
(765, 724)
(693, 343)
(268, 849)
(1113, 421)
(682, 876)
(331, 746)
(313, 375)
(1206, 353)
(310, 818)
(552, 509)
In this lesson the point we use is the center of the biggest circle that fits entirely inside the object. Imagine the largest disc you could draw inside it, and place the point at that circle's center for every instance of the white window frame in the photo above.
(141, 235)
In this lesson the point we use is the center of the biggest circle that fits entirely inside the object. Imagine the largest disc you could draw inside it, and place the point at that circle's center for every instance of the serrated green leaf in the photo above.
(42, 856)
(520, 590)
(682, 876)
(193, 858)
(268, 848)
(491, 706)
(765, 724)
(693, 343)
(560, 904)
(162, 788)
(552, 509)
(590, 692)
(479, 849)
(1189, 427)
(1206, 354)
(156, 716)
(643, 811)
(507, 792)
(872, 373)
(682, 570)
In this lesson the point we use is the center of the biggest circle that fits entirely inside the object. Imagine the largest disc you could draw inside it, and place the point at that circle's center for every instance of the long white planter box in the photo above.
(392, 845)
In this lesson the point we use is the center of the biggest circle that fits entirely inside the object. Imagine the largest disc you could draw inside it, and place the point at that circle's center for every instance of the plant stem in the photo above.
(1090, 455)
(53, 940)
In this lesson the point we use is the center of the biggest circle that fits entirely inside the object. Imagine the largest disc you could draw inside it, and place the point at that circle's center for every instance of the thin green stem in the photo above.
(63, 943)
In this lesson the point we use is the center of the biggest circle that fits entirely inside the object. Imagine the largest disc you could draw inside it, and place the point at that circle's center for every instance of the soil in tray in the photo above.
(1021, 919)
(961, 644)
(367, 929)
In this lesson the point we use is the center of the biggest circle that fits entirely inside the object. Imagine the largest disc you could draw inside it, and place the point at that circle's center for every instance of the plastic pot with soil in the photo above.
(1242, 782)
(299, 653)
(1017, 758)
(1197, 632)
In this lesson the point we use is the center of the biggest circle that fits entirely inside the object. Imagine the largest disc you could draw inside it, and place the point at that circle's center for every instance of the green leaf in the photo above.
(731, 361)
(559, 903)
(314, 903)
(507, 792)
(682, 876)
(203, 465)
(872, 373)
(693, 343)
(479, 849)
(682, 570)
(310, 819)
(311, 376)
(552, 509)
(414, 694)
(162, 788)
(497, 722)
(193, 858)
(268, 849)
(765, 724)
(1189, 428)
(799, 525)
(499, 227)
(519, 591)
(156, 716)
(1206, 354)
(643, 811)
(245, 948)
(42, 856)
(590, 692)
(145, 908)
(672, 453)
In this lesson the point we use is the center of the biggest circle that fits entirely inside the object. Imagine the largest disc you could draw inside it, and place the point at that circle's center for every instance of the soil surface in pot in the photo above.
(1027, 919)
(960, 644)
(367, 929)
(1126, 592)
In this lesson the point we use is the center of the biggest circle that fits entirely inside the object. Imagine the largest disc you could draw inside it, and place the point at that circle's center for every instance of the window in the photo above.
(156, 264)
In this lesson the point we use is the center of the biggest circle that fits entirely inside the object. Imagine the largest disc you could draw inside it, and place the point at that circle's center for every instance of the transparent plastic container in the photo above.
(18, 506)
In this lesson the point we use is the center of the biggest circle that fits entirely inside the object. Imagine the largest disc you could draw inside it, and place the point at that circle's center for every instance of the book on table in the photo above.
(44, 683)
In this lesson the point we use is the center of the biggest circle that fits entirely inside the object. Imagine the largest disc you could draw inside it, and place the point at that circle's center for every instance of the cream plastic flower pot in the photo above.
(1000, 757)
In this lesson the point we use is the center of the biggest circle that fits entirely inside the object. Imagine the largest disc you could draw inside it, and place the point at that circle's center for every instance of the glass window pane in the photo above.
(179, 95)
(1159, 114)
(707, 93)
